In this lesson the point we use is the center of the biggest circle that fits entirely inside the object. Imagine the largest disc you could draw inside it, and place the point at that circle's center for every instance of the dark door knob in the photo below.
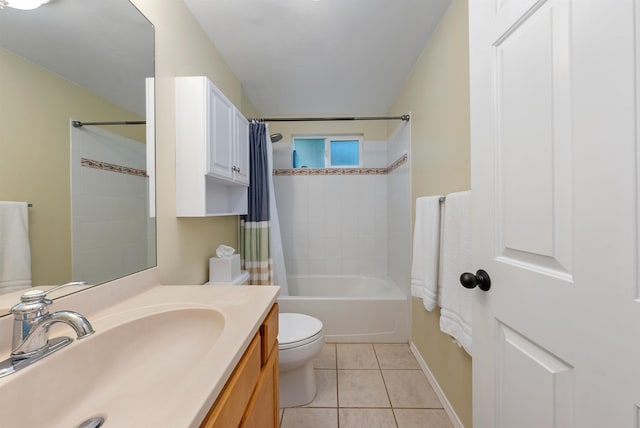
(480, 279)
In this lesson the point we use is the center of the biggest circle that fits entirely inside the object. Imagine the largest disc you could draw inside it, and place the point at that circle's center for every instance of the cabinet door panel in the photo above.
(262, 411)
(230, 406)
(242, 149)
(221, 132)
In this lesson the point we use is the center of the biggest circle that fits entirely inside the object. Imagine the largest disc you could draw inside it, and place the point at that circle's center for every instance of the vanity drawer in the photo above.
(232, 402)
(269, 333)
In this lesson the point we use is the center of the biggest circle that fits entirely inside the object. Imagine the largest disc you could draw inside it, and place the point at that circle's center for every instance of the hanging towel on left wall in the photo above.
(15, 252)
(426, 249)
(455, 300)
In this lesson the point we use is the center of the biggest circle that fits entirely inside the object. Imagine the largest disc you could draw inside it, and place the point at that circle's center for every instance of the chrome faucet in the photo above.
(31, 324)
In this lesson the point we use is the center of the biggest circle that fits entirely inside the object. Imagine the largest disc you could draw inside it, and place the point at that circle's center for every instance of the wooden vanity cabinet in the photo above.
(263, 409)
(250, 396)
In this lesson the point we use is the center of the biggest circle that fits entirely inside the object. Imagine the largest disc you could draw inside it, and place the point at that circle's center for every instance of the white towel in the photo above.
(426, 249)
(455, 300)
(15, 252)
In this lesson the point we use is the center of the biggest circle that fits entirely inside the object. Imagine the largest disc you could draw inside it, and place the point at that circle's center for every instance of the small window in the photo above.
(344, 153)
(326, 152)
(308, 153)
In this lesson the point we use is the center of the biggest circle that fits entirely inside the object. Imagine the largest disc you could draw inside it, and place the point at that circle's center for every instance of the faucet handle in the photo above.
(32, 304)
(39, 295)
(35, 301)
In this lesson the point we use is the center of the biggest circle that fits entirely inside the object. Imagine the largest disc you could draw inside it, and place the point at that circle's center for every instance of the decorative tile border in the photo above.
(398, 163)
(105, 166)
(343, 171)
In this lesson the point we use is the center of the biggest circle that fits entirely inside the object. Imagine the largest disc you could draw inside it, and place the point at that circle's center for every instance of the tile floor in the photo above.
(368, 386)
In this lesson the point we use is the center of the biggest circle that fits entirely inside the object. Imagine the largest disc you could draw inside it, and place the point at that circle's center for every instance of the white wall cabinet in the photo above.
(212, 151)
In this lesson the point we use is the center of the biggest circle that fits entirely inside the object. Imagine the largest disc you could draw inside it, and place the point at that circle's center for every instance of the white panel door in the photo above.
(554, 119)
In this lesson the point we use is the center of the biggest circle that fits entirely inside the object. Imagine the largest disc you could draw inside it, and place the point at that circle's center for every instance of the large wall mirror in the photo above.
(91, 214)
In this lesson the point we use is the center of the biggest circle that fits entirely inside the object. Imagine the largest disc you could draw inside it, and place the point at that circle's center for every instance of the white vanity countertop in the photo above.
(183, 391)
(244, 309)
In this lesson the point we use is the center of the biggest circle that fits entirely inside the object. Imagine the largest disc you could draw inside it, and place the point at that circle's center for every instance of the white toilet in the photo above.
(300, 340)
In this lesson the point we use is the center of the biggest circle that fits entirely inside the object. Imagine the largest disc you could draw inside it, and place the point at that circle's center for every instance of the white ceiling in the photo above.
(326, 57)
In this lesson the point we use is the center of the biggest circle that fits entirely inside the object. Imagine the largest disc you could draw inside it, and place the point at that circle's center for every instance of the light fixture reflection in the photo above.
(23, 4)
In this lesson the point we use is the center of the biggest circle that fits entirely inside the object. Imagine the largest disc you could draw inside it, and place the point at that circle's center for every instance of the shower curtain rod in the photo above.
(78, 124)
(404, 117)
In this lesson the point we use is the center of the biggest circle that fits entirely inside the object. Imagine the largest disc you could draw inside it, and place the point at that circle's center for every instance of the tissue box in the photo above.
(224, 269)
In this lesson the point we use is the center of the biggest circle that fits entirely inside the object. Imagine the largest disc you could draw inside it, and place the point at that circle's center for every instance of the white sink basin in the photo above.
(139, 359)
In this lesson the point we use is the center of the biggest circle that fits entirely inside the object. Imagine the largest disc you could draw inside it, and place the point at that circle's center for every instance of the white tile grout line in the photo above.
(455, 420)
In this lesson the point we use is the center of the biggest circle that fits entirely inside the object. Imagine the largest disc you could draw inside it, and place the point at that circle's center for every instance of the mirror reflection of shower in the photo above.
(109, 184)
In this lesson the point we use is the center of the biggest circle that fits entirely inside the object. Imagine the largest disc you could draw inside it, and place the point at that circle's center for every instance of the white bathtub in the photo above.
(353, 309)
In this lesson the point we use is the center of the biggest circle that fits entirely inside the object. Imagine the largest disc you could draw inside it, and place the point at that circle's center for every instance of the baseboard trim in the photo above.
(455, 420)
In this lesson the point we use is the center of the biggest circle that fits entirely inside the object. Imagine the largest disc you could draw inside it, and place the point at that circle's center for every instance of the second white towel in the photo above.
(455, 300)
(426, 249)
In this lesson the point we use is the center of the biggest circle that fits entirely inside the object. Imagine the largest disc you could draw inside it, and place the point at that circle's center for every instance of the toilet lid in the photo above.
(297, 330)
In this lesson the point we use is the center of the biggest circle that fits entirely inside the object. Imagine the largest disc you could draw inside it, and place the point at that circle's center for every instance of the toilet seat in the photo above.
(297, 330)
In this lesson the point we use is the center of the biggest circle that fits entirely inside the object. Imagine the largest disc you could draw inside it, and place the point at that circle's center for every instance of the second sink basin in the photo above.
(137, 358)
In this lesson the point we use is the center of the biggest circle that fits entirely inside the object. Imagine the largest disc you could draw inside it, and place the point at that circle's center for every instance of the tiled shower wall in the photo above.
(336, 223)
